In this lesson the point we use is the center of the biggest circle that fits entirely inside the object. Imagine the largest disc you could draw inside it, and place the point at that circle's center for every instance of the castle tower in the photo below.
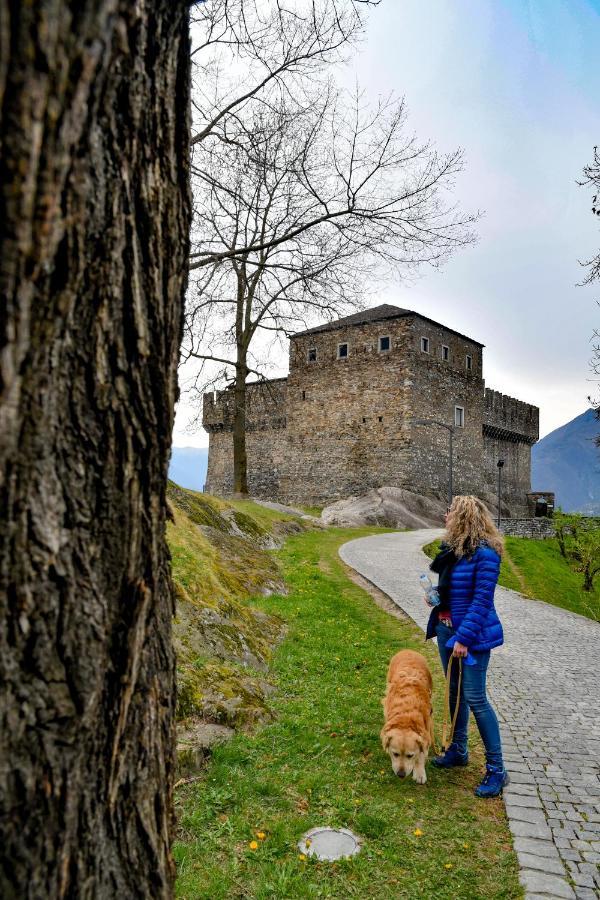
(354, 386)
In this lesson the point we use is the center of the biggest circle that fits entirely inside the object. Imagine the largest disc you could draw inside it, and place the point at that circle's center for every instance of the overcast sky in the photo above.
(516, 84)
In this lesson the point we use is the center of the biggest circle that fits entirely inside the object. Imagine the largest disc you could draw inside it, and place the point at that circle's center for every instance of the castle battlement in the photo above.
(510, 416)
(265, 407)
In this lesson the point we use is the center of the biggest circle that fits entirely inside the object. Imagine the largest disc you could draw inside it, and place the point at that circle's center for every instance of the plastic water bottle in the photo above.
(432, 597)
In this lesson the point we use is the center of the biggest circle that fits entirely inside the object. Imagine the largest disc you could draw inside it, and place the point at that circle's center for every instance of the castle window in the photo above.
(364, 421)
(425, 344)
(445, 353)
(384, 344)
(312, 354)
(342, 351)
(380, 418)
(459, 416)
(469, 363)
(304, 395)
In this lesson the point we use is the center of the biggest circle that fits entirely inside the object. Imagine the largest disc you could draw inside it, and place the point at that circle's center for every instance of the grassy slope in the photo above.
(548, 576)
(223, 646)
(537, 570)
(320, 762)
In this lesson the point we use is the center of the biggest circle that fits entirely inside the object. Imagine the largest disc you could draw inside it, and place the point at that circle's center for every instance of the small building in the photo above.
(340, 423)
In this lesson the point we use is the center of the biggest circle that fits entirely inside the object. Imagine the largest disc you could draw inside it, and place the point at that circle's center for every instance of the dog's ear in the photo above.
(385, 738)
(422, 744)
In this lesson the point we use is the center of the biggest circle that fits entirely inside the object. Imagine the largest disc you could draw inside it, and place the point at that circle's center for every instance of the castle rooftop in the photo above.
(382, 313)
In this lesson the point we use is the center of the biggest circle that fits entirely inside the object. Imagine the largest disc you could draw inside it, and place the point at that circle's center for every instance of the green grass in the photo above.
(537, 570)
(313, 510)
(263, 514)
(321, 762)
(548, 576)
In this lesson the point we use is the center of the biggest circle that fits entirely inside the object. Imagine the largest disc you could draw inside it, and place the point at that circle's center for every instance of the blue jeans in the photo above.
(472, 697)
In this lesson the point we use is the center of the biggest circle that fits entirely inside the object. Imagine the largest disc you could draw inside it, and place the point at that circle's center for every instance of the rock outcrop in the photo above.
(387, 506)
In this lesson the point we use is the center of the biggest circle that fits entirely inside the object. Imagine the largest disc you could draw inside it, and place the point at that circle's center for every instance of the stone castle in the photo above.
(340, 423)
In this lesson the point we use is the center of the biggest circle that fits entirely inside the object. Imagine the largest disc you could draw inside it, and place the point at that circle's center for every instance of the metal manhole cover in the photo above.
(329, 843)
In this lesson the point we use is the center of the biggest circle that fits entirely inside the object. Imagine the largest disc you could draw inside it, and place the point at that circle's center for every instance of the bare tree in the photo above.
(312, 201)
(94, 217)
(592, 177)
(246, 51)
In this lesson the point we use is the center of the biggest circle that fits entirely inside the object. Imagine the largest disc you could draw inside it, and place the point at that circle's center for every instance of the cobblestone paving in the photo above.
(545, 685)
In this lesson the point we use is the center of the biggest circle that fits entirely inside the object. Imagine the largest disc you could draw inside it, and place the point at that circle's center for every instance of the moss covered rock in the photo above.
(223, 645)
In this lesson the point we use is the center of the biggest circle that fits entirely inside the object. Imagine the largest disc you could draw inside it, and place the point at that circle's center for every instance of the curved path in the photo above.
(545, 684)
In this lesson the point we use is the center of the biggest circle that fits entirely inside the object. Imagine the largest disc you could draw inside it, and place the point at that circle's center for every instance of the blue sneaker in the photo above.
(451, 758)
(492, 784)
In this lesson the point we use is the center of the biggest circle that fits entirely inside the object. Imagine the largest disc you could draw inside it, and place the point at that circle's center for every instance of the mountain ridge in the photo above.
(188, 467)
(567, 461)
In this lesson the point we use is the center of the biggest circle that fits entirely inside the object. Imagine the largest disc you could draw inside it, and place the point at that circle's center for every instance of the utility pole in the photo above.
(500, 463)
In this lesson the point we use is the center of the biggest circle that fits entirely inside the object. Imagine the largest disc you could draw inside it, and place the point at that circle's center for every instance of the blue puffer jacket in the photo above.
(472, 584)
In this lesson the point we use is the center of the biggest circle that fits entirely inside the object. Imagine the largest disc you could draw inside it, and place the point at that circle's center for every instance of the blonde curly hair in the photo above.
(468, 523)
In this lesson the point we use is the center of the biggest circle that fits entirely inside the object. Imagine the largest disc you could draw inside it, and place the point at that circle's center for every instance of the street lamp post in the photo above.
(500, 463)
(450, 430)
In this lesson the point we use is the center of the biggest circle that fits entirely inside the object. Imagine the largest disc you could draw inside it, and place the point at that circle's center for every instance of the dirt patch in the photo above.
(517, 573)
(382, 600)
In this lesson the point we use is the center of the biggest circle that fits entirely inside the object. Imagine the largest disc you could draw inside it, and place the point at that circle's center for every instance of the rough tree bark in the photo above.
(94, 214)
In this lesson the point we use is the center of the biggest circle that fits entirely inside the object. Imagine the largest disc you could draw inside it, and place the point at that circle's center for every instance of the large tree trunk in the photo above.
(94, 213)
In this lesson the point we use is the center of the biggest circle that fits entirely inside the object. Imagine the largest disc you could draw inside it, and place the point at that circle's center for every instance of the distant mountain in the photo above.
(567, 461)
(188, 467)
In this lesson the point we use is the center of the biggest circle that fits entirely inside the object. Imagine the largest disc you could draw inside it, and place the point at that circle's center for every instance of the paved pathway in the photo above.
(545, 684)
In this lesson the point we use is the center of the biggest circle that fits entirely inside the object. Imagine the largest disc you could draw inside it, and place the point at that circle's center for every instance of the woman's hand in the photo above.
(459, 649)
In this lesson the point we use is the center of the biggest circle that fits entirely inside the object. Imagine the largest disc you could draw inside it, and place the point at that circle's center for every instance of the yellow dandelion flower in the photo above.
(447, 865)
(260, 835)
(466, 846)
(253, 845)
(417, 832)
(302, 857)
(308, 842)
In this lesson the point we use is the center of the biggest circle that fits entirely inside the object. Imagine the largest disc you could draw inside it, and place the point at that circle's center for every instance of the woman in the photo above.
(467, 626)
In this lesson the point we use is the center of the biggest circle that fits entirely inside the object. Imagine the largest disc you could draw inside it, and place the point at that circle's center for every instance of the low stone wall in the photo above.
(539, 529)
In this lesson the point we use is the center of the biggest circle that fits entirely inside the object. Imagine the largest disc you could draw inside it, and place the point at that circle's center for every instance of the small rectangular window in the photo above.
(425, 344)
(304, 395)
(384, 344)
(342, 351)
(459, 416)
(380, 418)
(469, 363)
(312, 354)
(445, 353)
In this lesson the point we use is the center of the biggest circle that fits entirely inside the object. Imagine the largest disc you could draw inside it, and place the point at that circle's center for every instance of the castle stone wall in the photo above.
(538, 529)
(510, 427)
(437, 386)
(266, 441)
(346, 417)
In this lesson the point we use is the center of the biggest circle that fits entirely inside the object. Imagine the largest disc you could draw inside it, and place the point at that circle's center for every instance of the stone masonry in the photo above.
(340, 425)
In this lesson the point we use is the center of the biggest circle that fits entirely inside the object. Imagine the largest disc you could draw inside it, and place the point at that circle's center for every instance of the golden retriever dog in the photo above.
(408, 730)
